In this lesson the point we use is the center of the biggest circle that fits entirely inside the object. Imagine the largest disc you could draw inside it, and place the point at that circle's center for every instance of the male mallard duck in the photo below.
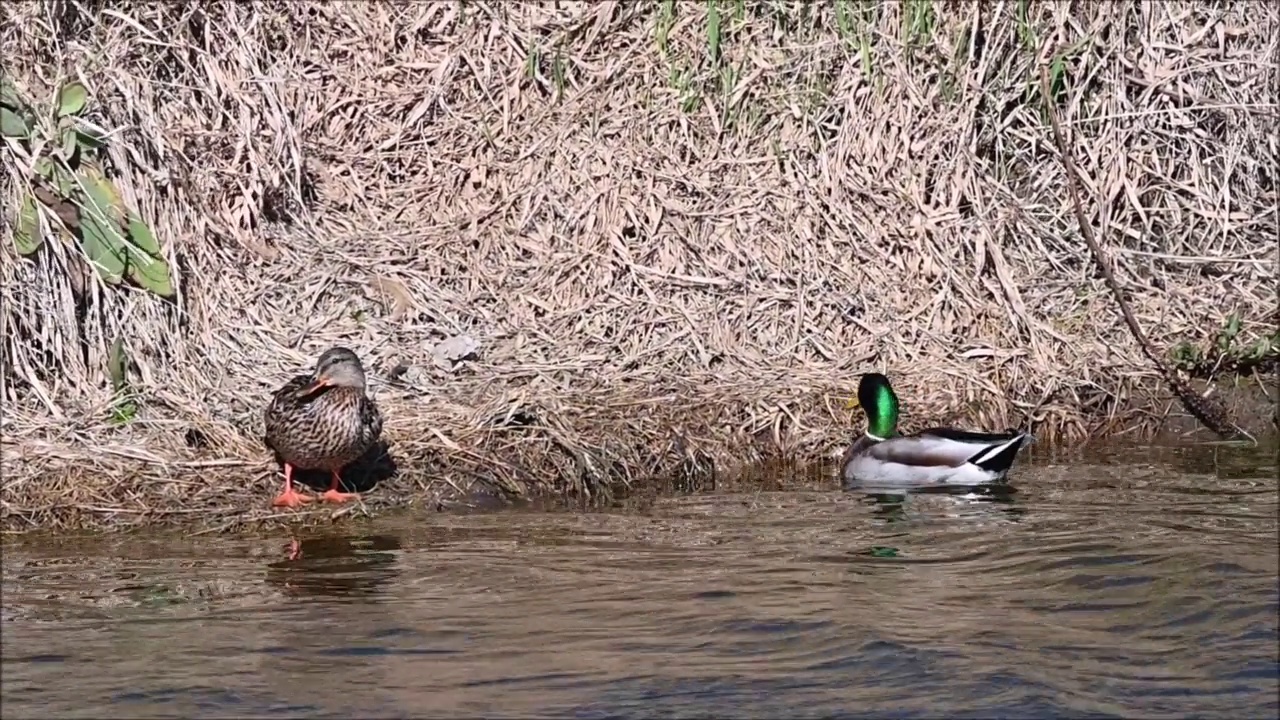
(322, 421)
(937, 456)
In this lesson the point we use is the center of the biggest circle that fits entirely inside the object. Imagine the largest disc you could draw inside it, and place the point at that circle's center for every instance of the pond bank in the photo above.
(594, 259)
(569, 454)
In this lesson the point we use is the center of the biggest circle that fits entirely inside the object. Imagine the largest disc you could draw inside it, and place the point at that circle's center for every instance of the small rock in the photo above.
(449, 352)
(416, 375)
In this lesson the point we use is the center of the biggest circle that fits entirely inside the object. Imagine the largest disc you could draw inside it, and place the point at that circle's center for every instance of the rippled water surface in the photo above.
(1140, 583)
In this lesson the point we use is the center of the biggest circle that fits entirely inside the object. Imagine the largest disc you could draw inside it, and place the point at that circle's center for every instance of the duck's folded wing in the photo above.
(282, 402)
(964, 436)
(289, 390)
(923, 452)
(370, 417)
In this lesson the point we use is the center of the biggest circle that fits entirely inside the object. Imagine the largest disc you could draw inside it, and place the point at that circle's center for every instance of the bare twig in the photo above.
(1204, 408)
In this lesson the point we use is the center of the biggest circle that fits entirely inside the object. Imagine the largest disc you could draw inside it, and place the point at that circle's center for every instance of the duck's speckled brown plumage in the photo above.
(326, 430)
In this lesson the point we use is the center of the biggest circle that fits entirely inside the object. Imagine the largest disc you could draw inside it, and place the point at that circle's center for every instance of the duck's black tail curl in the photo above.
(999, 458)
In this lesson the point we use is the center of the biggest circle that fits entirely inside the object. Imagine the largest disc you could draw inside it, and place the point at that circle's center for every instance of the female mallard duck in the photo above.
(937, 456)
(322, 421)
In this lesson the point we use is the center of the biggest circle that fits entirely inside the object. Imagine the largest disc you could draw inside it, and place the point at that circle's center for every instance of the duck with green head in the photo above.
(937, 456)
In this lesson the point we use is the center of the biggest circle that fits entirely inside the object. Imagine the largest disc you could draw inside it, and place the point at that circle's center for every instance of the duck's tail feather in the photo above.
(998, 458)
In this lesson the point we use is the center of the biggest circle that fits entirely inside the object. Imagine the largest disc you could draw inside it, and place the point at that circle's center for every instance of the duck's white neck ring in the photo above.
(877, 438)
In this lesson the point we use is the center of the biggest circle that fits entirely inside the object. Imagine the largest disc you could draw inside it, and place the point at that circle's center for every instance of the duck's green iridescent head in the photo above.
(878, 401)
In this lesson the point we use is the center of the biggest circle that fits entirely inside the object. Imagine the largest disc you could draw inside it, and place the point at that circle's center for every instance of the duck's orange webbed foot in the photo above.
(290, 498)
(333, 495)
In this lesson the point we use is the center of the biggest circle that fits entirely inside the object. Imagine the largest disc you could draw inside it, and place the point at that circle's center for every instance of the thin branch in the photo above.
(1205, 409)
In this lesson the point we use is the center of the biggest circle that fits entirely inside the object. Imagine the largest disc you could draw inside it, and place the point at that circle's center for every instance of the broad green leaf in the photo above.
(27, 236)
(104, 248)
(151, 273)
(9, 94)
(102, 229)
(104, 193)
(91, 138)
(140, 234)
(13, 125)
(104, 241)
(71, 99)
(44, 167)
(149, 270)
(70, 144)
(66, 183)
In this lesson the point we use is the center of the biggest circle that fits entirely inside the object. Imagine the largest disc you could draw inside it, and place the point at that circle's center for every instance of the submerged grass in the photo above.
(678, 233)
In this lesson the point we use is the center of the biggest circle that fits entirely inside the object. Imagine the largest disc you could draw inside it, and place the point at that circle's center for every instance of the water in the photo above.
(1142, 589)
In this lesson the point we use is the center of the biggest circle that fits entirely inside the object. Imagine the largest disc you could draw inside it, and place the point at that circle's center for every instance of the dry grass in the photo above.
(676, 247)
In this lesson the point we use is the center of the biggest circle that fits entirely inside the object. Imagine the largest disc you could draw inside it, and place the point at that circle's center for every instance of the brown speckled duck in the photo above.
(322, 421)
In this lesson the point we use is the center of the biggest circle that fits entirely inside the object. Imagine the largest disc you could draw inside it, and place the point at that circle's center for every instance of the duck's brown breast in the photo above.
(327, 432)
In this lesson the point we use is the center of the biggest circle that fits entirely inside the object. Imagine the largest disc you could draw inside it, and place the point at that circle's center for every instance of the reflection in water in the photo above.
(337, 566)
(892, 506)
(1141, 589)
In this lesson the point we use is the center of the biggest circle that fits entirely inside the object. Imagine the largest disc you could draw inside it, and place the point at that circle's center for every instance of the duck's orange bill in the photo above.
(312, 388)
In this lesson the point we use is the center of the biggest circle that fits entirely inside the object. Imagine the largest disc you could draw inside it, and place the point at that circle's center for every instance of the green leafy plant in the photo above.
(68, 182)
(1227, 334)
(1226, 350)
(1187, 356)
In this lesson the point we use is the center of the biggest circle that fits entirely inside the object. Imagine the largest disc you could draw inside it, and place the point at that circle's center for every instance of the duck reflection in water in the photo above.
(337, 565)
(891, 505)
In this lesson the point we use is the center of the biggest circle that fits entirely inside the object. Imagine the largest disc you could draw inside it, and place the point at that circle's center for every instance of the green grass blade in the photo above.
(117, 366)
(713, 31)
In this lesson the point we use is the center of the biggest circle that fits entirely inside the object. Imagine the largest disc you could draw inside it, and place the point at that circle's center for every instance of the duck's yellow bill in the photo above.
(851, 404)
